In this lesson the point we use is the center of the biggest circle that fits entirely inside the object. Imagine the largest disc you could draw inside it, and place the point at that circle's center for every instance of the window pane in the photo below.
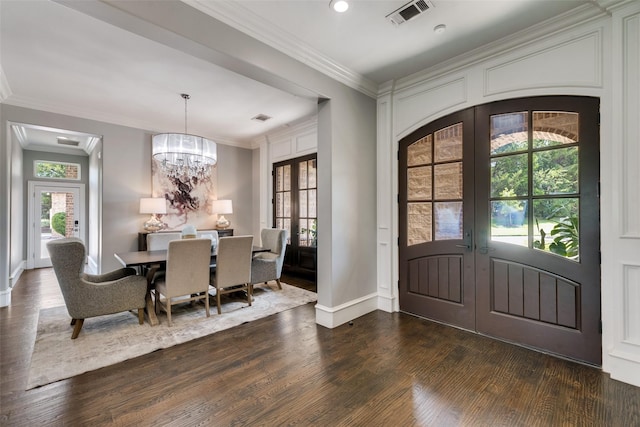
(302, 175)
(304, 231)
(312, 204)
(287, 226)
(551, 128)
(557, 225)
(419, 153)
(555, 171)
(448, 143)
(57, 170)
(286, 178)
(509, 222)
(448, 217)
(287, 204)
(312, 174)
(302, 200)
(509, 176)
(279, 205)
(418, 223)
(419, 183)
(448, 181)
(279, 178)
(509, 132)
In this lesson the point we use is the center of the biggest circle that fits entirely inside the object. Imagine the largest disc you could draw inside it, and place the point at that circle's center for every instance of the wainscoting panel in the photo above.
(437, 277)
(576, 63)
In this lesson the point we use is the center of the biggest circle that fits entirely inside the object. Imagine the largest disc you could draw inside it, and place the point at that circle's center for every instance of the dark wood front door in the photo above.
(295, 209)
(531, 208)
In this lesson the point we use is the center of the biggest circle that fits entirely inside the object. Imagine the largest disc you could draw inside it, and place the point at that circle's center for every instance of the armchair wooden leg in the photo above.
(279, 285)
(141, 315)
(218, 300)
(77, 326)
(249, 293)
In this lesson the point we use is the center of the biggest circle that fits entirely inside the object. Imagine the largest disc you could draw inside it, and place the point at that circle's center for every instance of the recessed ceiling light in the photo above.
(439, 29)
(339, 5)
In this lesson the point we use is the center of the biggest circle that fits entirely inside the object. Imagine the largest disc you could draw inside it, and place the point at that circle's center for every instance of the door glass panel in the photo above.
(312, 174)
(303, 236)
(552, 128)
(557, 223)
(58, 218)
(555, 171)
(312, 204)
(302, 199)
(302, 175)
(448, 217)
(448, 181)
(509, 176)
(287, 204)
(448, 143)
(509, 222)
(419, 183)
(419, 153)
(418, 223)
(509, 132)
(286, 178)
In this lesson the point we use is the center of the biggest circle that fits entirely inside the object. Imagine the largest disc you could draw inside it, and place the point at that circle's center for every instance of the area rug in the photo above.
(107, 340)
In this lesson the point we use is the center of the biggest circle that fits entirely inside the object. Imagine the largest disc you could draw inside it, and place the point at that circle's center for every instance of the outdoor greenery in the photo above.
(50, 170)
(554, 173)
(59, 223)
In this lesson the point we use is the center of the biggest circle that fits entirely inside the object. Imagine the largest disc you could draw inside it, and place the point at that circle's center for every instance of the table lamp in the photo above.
(222, 207)
(153, 206)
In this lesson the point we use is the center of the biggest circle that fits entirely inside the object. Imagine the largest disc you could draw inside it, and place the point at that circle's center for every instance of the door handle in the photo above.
(468, 241)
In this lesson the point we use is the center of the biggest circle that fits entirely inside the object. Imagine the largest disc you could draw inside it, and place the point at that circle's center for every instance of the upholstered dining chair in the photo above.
(233, 267)
(88, 295)
(186, 275)
(267, 266)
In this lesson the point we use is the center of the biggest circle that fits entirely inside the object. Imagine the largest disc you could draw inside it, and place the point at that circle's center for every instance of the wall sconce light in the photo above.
(222, 208)
(153, 206)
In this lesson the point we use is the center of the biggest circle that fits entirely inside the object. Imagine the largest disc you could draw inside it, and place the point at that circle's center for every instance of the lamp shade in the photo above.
(153, 205)
(221, 207)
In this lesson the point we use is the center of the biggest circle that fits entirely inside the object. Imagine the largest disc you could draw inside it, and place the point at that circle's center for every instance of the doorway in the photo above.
(499, 223)
(295, 190)
(55, 211)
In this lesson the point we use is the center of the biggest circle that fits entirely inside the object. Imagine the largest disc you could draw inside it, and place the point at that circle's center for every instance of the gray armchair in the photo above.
(88, 295)
(267, 266)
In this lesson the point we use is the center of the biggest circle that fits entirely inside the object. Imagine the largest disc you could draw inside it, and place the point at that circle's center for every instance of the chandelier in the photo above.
(181, 155)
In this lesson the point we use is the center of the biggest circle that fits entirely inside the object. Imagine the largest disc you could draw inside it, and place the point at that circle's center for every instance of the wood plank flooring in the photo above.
(384, 370)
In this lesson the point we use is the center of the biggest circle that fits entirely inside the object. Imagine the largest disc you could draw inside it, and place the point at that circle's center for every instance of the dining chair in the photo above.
(267, 266)
(89, 295)
(186, 276)
(233, 267)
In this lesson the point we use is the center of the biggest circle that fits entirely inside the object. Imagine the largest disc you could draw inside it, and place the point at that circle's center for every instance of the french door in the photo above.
(55, 211)
(295, 190)
(499, 223)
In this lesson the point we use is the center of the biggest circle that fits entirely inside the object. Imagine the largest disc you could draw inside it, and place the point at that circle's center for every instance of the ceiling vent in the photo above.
(409, 11)
(66, 141)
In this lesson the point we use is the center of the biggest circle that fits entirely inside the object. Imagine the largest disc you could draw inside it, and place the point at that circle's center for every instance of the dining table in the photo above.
(149, 262)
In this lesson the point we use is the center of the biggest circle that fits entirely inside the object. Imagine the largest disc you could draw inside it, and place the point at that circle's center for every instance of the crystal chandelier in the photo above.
(182, 155)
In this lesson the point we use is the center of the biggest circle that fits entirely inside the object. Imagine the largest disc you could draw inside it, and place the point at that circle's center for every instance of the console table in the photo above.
(142, 236)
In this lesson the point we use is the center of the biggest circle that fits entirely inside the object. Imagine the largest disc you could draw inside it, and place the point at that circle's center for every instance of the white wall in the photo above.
(599, 57)
(5, 213)
(18, 215)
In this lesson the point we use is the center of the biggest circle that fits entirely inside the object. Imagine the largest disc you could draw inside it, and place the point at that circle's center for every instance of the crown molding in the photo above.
(244, 20)
(83, 113)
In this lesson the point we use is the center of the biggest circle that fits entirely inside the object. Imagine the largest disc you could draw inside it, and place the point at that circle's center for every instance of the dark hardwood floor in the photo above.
(384, 370)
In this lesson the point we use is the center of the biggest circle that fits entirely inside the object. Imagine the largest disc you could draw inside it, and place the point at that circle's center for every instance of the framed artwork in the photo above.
(188, 197)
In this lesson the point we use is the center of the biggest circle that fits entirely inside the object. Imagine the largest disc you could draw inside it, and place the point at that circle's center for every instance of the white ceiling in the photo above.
(56, 58)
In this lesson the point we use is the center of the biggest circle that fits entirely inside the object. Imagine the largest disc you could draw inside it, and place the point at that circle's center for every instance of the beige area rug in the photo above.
(107, 340)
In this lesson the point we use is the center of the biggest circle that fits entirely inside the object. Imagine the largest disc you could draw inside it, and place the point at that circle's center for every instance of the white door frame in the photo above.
(33, 232)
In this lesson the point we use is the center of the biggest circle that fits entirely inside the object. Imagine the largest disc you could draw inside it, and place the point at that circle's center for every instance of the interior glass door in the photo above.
(56, 214)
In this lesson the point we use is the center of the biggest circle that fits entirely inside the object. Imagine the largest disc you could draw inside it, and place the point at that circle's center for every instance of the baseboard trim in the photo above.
(331, 317)
(624, 367)
(5, 298)
(386, 303)
(15, 275)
